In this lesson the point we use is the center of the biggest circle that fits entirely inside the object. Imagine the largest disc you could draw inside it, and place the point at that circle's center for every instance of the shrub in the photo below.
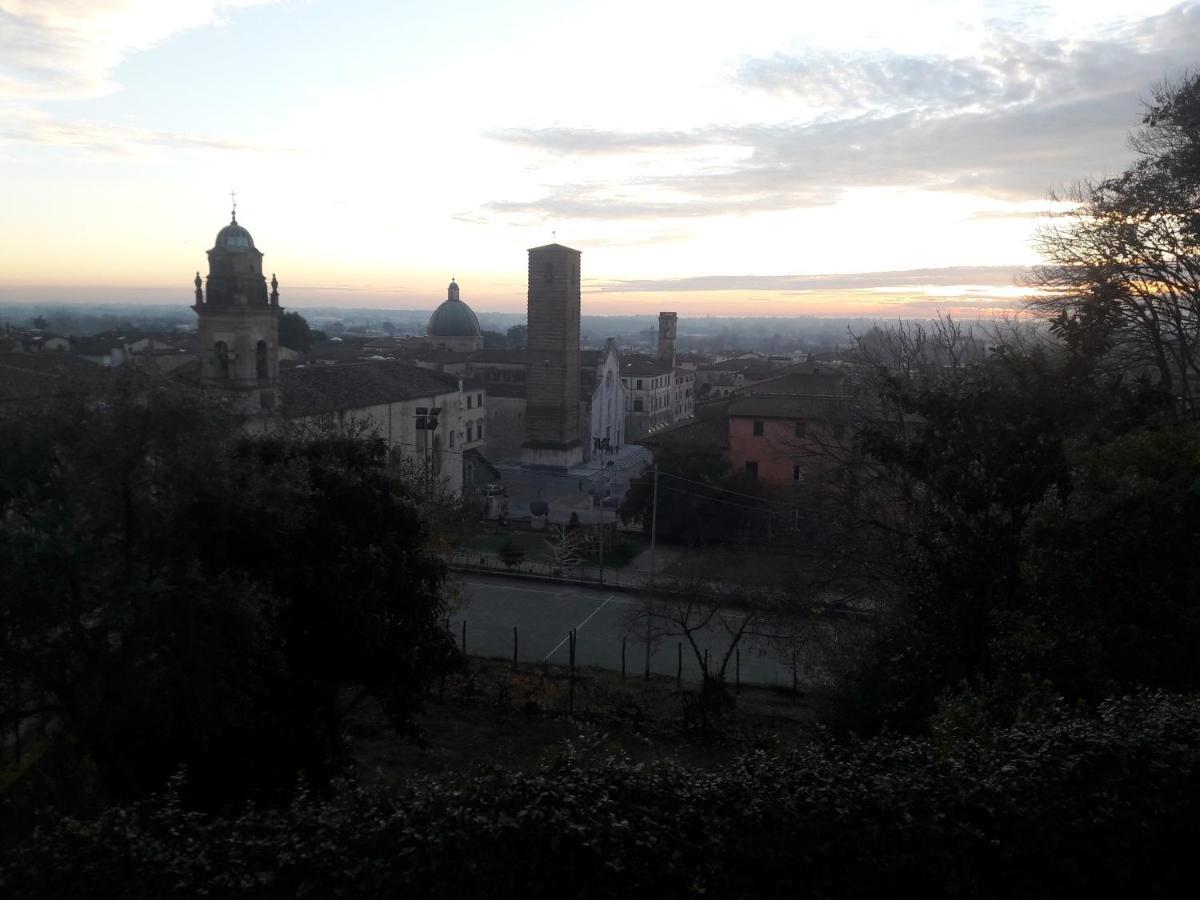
(510, 554)
(1099, 804)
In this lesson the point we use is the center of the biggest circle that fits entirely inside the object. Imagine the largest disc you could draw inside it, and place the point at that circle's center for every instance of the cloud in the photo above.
(599, 201)
(26, 126)
(69, 49)
(885, 80)
(1026, 116)
(60, 49)
(590, 141)
(951, 276)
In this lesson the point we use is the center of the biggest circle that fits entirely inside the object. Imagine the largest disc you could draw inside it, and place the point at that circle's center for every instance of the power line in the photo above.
(714, 487)
(758, 509)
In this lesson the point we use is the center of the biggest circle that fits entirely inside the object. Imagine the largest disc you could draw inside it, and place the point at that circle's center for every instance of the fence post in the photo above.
(571, 694)
(17, 719)
(464, 636)
(737, 669)
(514, 648)
(622, 657)
(679, 664)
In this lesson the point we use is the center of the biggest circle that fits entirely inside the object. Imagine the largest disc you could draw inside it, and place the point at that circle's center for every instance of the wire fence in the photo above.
(589, 573)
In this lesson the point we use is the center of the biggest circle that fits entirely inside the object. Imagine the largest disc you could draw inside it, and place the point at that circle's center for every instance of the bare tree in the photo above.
(1124, 263)
(563, 545)
(716, 620)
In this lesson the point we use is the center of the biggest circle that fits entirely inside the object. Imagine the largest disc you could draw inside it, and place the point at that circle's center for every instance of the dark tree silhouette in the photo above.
(294, 332)
(175, 593)
(1122, 272)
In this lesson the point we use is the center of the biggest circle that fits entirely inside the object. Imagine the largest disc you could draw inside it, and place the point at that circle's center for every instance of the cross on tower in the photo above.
(233, 200)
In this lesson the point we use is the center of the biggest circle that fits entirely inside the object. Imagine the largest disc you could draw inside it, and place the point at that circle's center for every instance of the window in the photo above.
(479, 400)
(797, 475)
(260, 360)
(451, 440)
(549, 273)
(752, 468)
(468, 432)
(758, 428)
(479, 431)
(221, 351)
(639, 384)
(468, 401)
(800, 429)
(637, 405)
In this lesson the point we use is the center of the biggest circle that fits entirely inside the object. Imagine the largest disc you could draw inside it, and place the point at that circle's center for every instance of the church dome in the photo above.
(453, 318)
(234, 237)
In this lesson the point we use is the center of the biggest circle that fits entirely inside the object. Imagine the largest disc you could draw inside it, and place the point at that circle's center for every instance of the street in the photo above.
(544, 614)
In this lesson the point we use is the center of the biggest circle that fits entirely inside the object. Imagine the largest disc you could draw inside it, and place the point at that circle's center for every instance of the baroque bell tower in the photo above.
(239, 325)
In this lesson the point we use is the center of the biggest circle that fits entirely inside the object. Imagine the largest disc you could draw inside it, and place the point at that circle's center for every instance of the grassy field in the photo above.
(737, 564)
(536, 549)
(532, 543)
(492, 714)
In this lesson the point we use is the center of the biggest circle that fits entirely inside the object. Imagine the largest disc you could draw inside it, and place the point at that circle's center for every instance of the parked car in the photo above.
(612, 501)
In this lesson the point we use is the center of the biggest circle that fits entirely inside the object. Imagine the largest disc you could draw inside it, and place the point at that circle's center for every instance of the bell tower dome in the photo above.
(239, 325)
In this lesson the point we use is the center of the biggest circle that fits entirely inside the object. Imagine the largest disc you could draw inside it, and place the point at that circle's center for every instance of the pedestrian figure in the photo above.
(581, 485)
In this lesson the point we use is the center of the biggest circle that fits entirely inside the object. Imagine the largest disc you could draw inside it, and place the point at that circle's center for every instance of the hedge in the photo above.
(1104, 803)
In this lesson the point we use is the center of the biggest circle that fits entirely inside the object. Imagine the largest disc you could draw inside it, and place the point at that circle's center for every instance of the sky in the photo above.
(774, 158)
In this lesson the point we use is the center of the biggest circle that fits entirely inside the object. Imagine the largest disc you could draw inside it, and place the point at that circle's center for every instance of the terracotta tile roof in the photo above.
(807, 380)
(509, 357)
(34, 376)
(312, 390)
(340, 349)
(784, 406)
(707, 428)
(644, 366)
(506, 389)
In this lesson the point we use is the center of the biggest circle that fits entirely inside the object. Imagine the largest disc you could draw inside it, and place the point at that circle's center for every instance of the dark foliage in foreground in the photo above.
(1101, 804)
(173, 592)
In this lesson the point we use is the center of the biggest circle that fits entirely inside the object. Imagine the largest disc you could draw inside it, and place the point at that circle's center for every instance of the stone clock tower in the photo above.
(239, 326)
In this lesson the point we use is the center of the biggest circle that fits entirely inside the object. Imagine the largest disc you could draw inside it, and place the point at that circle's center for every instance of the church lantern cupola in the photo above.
(239, 324)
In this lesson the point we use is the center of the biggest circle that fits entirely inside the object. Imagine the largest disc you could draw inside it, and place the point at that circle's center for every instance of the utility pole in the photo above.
(653, 541)
(602, 542)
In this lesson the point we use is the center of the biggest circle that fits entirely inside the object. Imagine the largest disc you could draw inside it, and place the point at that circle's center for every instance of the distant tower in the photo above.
(667, 323)
(552, 367)
(239, 325)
